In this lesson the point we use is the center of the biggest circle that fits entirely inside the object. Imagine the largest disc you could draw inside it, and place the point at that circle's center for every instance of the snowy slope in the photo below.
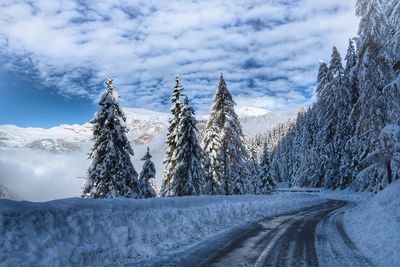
(14, 136)
(43, 164)
(243, 112)
(373, 222)
(253, 125)
(143, 125)
(374, 226)
(123, 231)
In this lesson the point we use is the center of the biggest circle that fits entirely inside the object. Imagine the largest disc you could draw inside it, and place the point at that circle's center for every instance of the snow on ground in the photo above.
(347, 195)
(373, 224)
(115, 232)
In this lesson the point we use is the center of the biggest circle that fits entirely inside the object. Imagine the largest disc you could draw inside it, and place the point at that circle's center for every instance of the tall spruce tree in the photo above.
(308, 156)
(374, 72)
(234, 166)
(343, 107)
(350, 71)
(212, 161)
(254, 169)
(325, 111)
(346, 128)
(267, 184)
(111, 173)
(172, 136)
(146, 176)
(187, 176)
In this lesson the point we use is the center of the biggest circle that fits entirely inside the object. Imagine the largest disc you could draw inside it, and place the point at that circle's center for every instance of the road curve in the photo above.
(311, 237)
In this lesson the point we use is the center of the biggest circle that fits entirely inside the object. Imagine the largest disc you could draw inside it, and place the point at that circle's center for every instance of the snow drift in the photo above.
(374, 226)
(114, 232)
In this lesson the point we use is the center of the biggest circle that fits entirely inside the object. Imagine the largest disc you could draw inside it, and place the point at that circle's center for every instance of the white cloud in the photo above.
(38, 175)
(263, 47)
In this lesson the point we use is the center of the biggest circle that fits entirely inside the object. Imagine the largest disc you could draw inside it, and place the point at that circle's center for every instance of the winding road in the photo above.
(310, 237)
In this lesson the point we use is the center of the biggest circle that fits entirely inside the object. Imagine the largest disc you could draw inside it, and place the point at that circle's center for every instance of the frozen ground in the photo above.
(290, 239)
(373, 224)
(114, 232)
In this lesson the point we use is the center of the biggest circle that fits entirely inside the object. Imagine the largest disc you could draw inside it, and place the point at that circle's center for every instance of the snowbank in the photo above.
(113, 232)
(374, 226)
(347, 195)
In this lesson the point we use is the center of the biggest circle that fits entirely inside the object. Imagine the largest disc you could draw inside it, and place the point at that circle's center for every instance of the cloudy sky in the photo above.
(55, 55)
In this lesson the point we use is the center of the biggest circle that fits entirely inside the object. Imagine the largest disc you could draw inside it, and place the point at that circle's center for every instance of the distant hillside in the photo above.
(41, 164)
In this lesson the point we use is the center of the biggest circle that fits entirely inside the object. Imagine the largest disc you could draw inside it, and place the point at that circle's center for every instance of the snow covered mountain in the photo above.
(42, 164)
(251, 112)
(143, 125)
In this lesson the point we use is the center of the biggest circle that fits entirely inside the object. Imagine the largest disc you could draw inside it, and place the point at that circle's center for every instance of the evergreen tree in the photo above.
(147, 174)
(297, 149)
(348, 166)
(172, 137)
(374, 72)
(234, 170)
(350, 72)
(212, 161)
(351, 57)
(187, 177)
(282, 160)
(308, 157)
(343, 107)
(267, 183)
(391, 97)
(357, 109)
(348, 161)
(334, 103)
(325, 101)
(255, 181)
(111, 173)
(325, 112)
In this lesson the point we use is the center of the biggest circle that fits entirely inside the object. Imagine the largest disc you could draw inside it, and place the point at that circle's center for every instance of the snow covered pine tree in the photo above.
(212, 161)
(111, 173)
(169, 161)
(187, 176)
(232, 153)
(253, 167)
(267, 183)
(148, 172)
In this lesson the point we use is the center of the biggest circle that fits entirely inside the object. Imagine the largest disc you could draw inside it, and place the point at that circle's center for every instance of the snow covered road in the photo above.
(309, 237)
